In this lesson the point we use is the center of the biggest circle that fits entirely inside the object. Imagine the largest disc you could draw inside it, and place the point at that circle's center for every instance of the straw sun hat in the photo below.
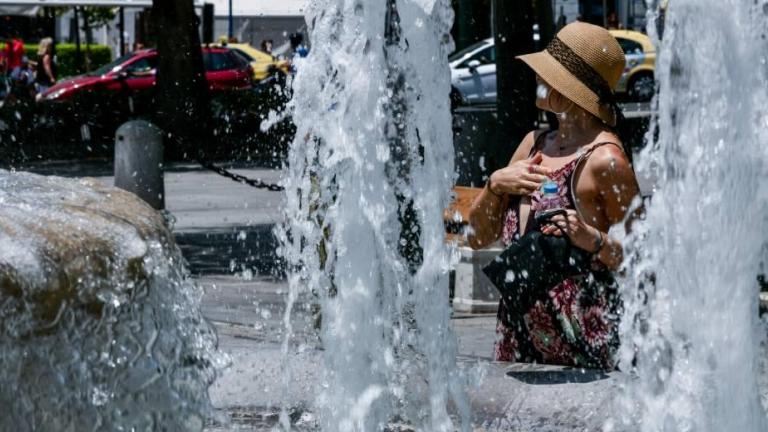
(583, 63)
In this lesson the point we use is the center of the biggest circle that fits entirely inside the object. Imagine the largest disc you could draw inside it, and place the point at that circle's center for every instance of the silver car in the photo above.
(473, 73)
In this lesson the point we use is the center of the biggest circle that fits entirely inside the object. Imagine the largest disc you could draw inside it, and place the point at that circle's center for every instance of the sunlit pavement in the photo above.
(249, 317)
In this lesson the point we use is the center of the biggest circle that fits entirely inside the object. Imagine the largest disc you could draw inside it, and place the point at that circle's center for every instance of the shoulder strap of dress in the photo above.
(575, 171)
(540, 138)
(592, 149)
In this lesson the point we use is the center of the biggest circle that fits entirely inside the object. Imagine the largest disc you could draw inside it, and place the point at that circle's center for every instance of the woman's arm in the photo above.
(616, 187)
(520, 177)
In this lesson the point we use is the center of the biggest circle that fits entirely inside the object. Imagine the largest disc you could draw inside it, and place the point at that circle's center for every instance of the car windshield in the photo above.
(630, 46)
(219, 61)
(459, 54)
(242, 54)
(111, 65)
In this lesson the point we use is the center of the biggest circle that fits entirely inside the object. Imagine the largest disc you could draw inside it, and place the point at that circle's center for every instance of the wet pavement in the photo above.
(248, 315)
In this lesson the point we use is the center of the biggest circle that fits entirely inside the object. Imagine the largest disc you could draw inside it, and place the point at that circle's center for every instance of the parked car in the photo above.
(263, 64)
(473, 70)
(224, 70)
(638, 78)
(473, 74)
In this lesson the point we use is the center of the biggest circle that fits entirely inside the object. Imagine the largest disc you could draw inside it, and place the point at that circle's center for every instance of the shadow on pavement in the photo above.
(102, 167)
(564, 376)
(232, 250)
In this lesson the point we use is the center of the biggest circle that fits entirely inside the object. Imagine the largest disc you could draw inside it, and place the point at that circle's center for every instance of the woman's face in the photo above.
(549, 99)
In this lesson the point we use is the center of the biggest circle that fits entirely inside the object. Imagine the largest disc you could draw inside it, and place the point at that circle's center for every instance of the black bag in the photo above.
(533, 264)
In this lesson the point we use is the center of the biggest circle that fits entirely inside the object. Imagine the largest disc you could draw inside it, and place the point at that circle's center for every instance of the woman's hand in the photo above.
(519, 178)
(582, 235)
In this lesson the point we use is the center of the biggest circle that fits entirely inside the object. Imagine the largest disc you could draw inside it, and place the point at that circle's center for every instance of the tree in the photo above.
(183, 104)
(93, 17)
(472, 23)
(513, 21)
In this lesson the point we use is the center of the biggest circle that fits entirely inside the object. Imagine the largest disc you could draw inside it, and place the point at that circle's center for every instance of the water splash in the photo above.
(691, 332)
(368, 176)
(100, 329)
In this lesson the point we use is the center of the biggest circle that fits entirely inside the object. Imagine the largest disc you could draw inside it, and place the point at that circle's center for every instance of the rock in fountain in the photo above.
(99, 327)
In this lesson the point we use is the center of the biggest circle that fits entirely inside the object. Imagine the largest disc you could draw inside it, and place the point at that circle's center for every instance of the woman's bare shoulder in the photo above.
(609, 162)
(609, 157)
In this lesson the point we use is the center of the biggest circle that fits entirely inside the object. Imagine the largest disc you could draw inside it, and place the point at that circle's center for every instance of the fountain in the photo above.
(691, 333)
(369, 176)
(100, 329)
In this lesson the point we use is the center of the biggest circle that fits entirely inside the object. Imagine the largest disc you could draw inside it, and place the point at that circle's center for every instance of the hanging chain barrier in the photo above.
(257, 183)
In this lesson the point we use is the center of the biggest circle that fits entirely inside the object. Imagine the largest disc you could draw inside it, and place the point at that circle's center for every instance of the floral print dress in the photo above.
(574, 323)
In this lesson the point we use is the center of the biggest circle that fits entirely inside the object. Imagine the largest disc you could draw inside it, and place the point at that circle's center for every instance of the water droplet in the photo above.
(509, 276)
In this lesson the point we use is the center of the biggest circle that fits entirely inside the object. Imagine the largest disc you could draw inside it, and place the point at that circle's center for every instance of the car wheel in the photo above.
(642, 87)
(457, 99)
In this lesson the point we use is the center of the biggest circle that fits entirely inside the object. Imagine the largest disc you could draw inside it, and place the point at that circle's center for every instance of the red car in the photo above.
(224, 70)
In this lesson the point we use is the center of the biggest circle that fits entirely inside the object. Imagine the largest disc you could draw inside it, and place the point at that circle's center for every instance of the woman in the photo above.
(45, 72)
(572, 323)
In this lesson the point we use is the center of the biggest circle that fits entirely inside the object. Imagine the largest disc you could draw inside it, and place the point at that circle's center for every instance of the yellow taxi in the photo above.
(638, 80)
(263, 64)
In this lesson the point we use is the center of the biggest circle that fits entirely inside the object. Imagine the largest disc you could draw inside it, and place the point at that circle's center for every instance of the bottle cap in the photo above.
(550, 188)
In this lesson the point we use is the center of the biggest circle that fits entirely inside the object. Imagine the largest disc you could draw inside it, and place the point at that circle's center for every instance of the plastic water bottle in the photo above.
(550, 199)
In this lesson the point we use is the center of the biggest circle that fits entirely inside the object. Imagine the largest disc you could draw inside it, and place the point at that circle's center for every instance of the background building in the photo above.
(252, 20)
(256, 20)
(474, 18)
(610, 13)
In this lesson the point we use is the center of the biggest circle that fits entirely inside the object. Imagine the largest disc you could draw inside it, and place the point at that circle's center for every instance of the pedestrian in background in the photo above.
(45, 75)
(22, 80)
(298, 49)
(14, 51)
(266, 46)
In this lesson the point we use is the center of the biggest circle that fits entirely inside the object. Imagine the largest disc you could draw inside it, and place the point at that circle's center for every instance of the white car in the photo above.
(473, 73)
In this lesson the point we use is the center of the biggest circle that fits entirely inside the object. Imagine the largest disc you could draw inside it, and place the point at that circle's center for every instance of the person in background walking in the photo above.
(297, 46)
(22, 81)
(266, 46)
(45, 75)
(14, 51)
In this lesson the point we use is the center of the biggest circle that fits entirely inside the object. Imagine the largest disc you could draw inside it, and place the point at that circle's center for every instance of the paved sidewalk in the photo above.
(221, 226)
(248, 316)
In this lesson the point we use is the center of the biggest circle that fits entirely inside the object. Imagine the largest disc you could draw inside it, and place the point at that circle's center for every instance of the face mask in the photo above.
(542, 91)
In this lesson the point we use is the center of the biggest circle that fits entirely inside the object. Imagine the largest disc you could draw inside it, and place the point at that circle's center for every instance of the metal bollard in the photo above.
(139, 161)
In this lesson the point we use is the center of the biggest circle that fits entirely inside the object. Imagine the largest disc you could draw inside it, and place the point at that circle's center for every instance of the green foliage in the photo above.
(66, 56)
(99, 16)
